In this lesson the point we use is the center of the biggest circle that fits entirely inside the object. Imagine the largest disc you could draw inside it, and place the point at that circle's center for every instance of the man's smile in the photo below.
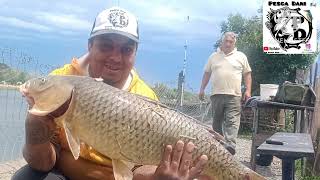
(112, 67)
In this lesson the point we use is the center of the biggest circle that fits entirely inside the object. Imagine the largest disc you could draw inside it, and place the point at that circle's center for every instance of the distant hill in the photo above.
(11, 76)
(3, 66)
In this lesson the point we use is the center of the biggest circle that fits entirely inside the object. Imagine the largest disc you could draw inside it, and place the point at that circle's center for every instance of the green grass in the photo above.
(309, 178)
(298, 172)
(245, 133)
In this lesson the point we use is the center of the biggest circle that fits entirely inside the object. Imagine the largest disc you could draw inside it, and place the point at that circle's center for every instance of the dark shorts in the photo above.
(27, 173)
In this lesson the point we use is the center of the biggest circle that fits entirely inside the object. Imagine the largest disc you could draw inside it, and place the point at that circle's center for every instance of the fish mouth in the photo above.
(25, 93)
(24, 88)
(55, 113)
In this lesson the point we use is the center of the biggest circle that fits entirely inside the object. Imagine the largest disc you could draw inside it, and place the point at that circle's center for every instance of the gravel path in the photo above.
(243, 151)
(7, 169)
(272, 172)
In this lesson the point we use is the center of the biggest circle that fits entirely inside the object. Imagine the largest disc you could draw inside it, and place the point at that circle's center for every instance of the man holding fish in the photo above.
(111, 55)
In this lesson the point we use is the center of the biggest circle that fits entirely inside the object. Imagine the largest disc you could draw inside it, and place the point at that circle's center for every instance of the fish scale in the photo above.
(129, 127)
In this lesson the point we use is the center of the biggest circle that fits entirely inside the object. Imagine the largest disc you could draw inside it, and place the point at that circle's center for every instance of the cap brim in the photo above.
(112, 31)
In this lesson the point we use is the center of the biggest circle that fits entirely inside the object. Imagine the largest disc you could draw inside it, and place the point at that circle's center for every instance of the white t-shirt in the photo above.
(226, 71)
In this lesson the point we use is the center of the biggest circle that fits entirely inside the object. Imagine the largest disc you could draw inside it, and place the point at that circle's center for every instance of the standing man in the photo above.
(227, 66)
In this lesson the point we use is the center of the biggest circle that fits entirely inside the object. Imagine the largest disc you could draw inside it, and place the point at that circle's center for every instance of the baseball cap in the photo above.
(118, 21)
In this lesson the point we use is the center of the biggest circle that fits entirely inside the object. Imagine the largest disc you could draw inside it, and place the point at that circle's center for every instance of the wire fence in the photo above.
(16, 67)
(169, 94)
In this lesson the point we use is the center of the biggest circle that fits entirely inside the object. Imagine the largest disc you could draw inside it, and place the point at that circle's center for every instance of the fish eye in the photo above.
(43, 81)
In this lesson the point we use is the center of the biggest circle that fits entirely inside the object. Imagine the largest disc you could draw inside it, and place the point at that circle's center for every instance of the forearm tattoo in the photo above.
(37, 131)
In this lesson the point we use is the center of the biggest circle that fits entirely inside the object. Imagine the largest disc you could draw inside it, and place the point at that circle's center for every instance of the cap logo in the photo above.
(118, 18)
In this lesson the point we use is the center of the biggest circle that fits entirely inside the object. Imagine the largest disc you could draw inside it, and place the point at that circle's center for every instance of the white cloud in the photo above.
(165, 16)
(15, 37)
(64, 21)
(158, 19)
(13, 21)
(71, 7)
(167, 13)
(160, 15)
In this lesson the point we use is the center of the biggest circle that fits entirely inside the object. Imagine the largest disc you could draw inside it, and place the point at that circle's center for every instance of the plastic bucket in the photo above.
(267, 90)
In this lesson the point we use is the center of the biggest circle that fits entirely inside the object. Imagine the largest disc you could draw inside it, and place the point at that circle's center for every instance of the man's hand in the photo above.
(38, 151)
(39, 129)
(248, 83)
(205, 79)
(246, 96)
(201, 94)
(176, 163)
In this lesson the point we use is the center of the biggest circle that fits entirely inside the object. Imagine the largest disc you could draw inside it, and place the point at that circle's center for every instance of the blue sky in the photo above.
(55, 31)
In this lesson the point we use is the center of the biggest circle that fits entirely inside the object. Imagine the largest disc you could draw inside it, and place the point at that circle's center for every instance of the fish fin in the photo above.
(122, 170)
(73, 141)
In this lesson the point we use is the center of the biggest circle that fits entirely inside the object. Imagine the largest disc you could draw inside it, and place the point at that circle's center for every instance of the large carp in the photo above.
(128, 128)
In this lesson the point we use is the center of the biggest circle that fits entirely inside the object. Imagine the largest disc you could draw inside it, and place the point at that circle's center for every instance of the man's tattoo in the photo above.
(37, 131)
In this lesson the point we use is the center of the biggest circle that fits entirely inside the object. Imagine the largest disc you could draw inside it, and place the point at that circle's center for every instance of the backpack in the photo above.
(294, 93)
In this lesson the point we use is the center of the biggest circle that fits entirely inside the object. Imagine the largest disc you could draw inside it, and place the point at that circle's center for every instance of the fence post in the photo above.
(315, 132)
(315, 75)
(180, 91)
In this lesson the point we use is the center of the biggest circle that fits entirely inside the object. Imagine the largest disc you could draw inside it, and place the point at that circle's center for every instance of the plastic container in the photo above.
(267, 90)
(264, 160)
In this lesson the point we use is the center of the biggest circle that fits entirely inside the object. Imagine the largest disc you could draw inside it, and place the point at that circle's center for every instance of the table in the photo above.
(256, 104)
(295, 146)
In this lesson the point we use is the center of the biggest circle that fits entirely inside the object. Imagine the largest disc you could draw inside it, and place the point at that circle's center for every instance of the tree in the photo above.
(12, 76)
(266, 68)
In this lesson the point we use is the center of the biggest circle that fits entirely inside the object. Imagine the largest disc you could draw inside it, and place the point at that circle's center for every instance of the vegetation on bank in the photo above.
(12, 76)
